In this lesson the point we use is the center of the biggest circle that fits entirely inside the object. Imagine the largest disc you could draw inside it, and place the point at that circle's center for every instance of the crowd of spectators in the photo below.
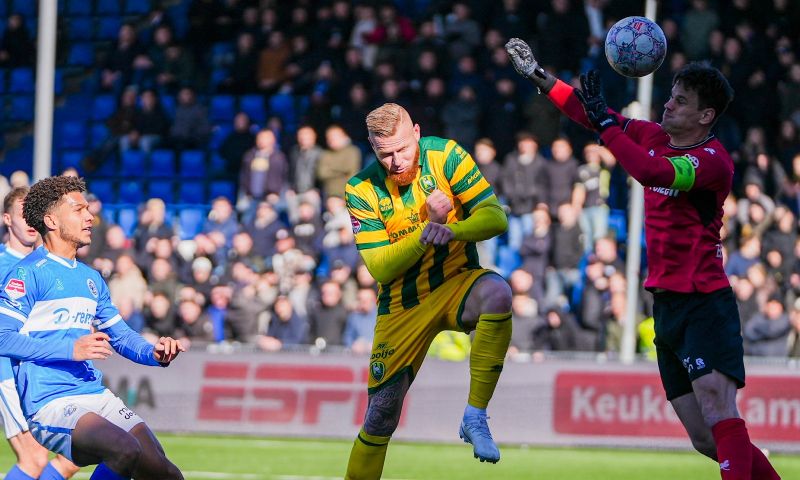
(278, 267)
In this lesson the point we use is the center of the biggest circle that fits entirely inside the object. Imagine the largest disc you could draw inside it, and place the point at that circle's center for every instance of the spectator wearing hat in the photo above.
(201, 277)
(767, 333)
(286, 328)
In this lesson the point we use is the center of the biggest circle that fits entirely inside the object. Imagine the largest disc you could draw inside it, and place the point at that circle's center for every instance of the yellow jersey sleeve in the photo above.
(368, 227)
(465, 179)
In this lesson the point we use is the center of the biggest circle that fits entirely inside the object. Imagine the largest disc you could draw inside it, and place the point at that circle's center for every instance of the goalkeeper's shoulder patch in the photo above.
(684, 173)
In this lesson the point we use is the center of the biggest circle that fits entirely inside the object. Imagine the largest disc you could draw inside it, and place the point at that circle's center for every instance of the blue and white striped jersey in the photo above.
(8, 258)
(46, 304)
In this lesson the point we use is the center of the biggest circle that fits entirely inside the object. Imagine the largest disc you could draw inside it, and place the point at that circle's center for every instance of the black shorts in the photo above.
(695, 334)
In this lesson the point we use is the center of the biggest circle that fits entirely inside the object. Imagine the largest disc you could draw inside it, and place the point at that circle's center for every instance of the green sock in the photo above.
(367, 457)
(489, 348)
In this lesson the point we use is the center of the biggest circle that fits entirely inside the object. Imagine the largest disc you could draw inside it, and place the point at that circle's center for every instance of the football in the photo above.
(635, 46)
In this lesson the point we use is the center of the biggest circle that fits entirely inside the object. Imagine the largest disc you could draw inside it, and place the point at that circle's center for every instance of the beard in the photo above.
(405, 178)
(73, 239)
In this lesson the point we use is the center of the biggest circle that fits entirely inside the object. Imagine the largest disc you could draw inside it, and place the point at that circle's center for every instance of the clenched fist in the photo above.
(438, 205)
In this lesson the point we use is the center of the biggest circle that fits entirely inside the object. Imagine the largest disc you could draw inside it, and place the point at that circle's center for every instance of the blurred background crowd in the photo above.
(217, 135)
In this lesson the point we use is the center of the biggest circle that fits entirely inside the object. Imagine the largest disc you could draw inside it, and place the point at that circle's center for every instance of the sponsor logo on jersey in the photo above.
(695, 161)
(652, 153)
(59, 284)
(377, 370)
(700, 363)
(70, 409)
(92, 287)
(385, 205)
(15, 288)
(21, 273)
(669, 192)
(62, 315)
(427, 183)
(710, 150)
(356, 224)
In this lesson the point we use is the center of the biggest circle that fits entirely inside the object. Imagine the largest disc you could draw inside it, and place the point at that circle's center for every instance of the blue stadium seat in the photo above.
(21, 81)
(69, 158)
(75, 107)
(79, 7)
(168, 104)
(222, 188)
(192, 164)
(137, 7)
(58, 81)
(80, 28)
(223, 108)
(618, 223)
(253, 106)
(132, 164)
(190, 222)
(218, 165)
(103, 189)
(507, 260)
(217, 77)
(218, 135)
(192, 192)
(81, 55)
(71, 134)
(108, 28)
(128, 219)
(282, 106)
(108, 7)
(99, 134)
(103, 106)
(21, 108)
(162, 163)
(162, 189)
(26, 8)
(131, 192)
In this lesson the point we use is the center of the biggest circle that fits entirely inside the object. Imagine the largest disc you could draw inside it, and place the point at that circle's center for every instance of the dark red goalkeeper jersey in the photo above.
(684, 188)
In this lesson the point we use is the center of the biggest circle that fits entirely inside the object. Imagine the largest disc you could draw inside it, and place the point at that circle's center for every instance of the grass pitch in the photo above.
(244, 458)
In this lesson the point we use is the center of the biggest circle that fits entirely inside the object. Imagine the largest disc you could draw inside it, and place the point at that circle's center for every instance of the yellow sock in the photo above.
(367, 457)
(489, 348)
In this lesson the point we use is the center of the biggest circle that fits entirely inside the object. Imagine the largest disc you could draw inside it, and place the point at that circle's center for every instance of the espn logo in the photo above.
(283, 393)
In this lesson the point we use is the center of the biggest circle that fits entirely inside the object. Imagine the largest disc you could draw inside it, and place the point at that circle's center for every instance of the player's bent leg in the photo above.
(59, 468)
(691, 417)
(488, 309)
(31, 457)
(716, 395)
(153, 463)
(97, 440)
(381, 420)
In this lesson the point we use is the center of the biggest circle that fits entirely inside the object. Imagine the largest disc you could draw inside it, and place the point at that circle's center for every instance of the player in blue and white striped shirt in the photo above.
(31, 457)
(56, 316)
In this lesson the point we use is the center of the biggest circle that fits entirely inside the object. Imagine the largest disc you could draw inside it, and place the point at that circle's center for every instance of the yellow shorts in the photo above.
(402, 339)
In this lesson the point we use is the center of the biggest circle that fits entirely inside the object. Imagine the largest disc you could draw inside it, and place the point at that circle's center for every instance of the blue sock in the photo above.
(16, 474)
(470, 411)
(104, 473)
(50, 473)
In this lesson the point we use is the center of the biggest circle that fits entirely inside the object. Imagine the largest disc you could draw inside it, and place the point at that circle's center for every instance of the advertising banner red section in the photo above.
(633, 404)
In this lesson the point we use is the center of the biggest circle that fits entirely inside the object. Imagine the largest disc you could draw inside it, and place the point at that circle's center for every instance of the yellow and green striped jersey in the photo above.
(383, 213)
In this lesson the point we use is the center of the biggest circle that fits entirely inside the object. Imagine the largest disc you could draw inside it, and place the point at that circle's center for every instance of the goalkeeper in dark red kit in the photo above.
(687, 174)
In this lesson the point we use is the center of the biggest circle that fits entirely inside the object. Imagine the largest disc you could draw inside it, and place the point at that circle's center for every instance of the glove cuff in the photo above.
(543, 80)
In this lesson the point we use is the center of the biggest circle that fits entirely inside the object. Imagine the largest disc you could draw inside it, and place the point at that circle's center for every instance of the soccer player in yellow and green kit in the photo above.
(417, 213)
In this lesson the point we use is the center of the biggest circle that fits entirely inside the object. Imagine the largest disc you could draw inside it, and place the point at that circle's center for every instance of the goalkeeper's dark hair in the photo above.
(713, 89)
(45, 195)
